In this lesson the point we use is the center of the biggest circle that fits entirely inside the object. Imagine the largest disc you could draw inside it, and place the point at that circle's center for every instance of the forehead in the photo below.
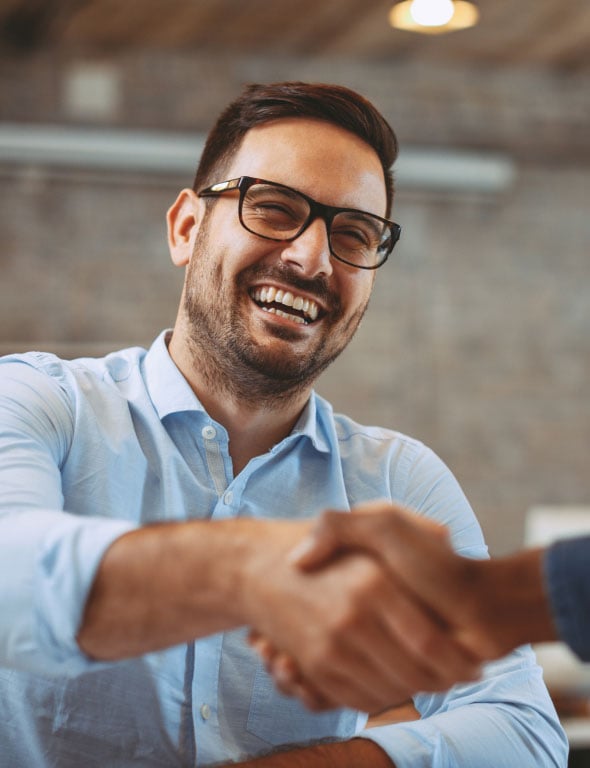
(320, 159)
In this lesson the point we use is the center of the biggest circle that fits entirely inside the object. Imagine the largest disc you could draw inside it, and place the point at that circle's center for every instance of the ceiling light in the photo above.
(433, 16)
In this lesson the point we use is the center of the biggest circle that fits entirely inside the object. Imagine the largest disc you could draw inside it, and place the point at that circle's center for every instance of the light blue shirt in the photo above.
(90, 449)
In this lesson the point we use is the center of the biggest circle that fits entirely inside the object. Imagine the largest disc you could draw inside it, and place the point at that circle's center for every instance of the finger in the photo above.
(318, 547)
(366, 528)
(288, 680)
(263, 647)
(285, 670)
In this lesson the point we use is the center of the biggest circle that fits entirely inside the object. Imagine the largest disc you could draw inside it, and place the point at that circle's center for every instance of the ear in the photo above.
(183, 219)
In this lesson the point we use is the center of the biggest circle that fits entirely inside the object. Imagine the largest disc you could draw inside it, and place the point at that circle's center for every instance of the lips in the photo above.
(286, 304)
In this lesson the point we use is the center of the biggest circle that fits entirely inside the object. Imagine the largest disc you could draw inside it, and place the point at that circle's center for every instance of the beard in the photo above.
(229, 354)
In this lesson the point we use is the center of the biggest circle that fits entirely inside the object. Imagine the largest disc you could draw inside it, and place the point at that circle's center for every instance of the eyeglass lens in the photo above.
(279, 213)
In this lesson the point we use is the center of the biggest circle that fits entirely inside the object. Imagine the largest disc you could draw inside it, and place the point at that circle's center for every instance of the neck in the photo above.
(254, 414)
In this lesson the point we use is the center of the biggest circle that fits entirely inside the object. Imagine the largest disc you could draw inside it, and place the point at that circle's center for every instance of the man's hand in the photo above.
(351, 633)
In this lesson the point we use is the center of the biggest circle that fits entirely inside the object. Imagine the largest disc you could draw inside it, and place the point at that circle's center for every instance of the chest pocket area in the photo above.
(279, 719)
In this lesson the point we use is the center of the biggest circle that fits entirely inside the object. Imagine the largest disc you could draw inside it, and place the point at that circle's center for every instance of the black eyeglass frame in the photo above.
(316, 210)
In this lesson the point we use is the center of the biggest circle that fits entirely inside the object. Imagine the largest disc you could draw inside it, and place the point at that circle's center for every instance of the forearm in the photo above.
(166, 584)
(357, 753)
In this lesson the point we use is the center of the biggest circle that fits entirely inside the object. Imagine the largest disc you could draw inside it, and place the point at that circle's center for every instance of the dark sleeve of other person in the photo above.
(567, 580)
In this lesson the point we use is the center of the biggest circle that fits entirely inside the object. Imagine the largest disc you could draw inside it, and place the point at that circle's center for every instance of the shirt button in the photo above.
(205, 711)
(228, 497)
(209, 432)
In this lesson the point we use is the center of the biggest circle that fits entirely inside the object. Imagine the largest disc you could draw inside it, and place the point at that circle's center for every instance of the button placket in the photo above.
(215, 462)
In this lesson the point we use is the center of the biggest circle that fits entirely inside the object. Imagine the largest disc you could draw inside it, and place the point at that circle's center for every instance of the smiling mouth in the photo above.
(286, 304)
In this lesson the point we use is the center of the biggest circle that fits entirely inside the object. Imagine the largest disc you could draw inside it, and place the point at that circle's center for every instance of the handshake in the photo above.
(385, 608)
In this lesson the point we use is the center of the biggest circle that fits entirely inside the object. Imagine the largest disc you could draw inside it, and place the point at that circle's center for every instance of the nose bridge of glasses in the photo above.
(319, 211)
(310, 246)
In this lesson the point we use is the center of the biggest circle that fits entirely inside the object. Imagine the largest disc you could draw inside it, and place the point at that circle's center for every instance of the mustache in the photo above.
(316, 287)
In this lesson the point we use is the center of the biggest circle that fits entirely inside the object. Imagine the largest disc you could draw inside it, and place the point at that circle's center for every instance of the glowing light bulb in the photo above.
(432, 13)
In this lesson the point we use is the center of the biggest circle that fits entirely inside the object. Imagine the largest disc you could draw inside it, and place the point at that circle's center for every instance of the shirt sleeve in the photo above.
(567, 582)
(504, 720)
(49, 556)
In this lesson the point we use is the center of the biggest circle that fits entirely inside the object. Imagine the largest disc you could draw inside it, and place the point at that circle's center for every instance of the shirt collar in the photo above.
(171, 393)
(310, 424)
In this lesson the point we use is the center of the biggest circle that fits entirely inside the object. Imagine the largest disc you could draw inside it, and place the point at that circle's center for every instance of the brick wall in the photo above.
(477, 340)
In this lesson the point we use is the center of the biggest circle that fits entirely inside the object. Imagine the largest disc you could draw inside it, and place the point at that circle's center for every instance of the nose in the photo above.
(310, 252)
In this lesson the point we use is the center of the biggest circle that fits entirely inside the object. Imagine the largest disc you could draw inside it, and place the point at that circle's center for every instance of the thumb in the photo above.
(332, 533)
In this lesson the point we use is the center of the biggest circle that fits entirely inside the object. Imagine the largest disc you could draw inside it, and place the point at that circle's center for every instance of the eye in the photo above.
(273, 215)
(274, 206)
(352, 235)
(274, 209)
(356, 230)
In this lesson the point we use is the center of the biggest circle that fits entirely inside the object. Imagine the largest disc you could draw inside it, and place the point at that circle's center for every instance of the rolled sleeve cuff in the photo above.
(410, 746)
(51, 577)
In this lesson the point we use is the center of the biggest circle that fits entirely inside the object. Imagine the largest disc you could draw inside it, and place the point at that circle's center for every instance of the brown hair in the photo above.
(261, 103)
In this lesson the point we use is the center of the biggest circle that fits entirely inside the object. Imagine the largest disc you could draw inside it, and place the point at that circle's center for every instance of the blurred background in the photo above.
(478, 337)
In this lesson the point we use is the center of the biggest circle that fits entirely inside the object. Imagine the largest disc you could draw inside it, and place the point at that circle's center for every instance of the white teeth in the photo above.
(280, 313)
(268, 294)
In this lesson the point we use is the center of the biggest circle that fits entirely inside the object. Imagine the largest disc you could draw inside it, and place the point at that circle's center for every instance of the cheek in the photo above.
(357, 292)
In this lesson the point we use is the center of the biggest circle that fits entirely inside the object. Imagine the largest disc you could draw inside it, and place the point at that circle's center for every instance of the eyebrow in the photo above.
(287, 191)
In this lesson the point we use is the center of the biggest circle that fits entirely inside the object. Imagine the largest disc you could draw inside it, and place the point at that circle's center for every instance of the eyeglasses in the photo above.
(277, 212)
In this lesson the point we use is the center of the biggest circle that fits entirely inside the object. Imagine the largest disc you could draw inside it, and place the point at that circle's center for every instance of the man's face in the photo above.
(234, 279)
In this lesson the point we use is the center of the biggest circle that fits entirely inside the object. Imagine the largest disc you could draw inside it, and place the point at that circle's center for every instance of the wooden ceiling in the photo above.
(551, 34)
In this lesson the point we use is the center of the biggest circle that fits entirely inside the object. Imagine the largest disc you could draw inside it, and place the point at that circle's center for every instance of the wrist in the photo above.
(514, 602)
(260, 565)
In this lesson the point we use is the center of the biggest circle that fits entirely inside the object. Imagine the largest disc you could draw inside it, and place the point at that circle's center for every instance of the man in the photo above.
(150, 499)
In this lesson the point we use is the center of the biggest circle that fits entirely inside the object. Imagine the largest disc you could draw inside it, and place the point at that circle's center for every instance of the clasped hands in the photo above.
(401, 613)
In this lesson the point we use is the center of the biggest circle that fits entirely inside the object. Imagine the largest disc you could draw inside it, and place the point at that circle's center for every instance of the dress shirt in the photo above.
(92, 448)
(567, 583)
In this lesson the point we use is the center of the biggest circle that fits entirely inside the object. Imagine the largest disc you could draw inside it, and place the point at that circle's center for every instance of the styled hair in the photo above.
(261, 103)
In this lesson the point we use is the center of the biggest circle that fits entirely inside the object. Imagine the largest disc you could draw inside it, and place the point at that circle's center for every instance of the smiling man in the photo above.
(149, 500)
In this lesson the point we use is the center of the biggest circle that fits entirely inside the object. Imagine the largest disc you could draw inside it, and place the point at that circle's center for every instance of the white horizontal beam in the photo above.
(156, 152)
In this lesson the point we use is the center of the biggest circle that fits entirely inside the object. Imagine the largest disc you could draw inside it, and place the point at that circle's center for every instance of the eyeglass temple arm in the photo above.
(221, 186)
